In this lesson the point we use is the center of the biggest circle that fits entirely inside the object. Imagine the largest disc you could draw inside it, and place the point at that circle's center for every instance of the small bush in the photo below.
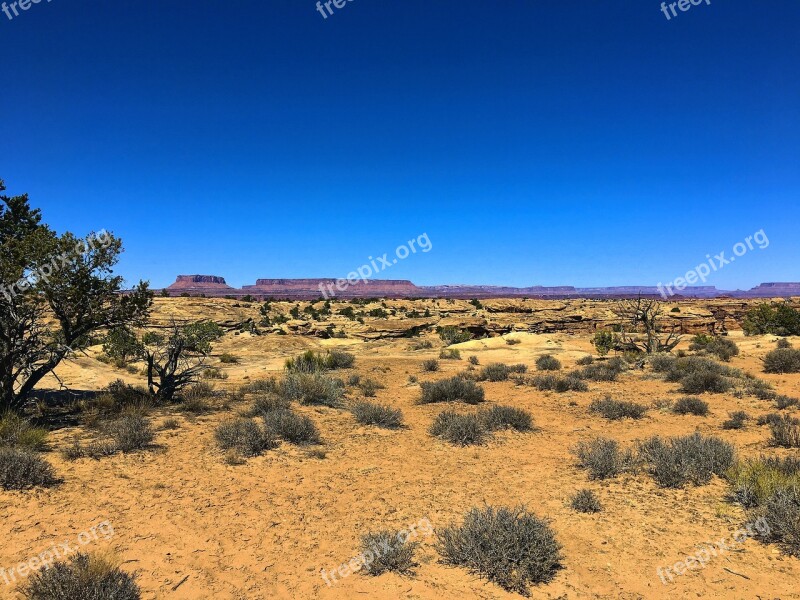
(691, 405)
(586, 501)
(430, 365)
(782, 360)
(596, 372)
(773, 418)
(513, 341)
(759, 388)
(259, 385)
(784, 402)
(616, 409)
(508, 546)
(462, 430)
(500, 372)
(369, 387)
(17, 432)
(453, 335)
(558, 384)
(170, 424)
(228, 359)
(267, 403)
(115, 399)
(291, 427)
(130, 433)
(368, 413)
(736, 420)
(338, 359)
(753, 481)
(450, 354)
(585, 361)
(677, 461)
(421, 345)
(22, 469)
(603, 458)
(312, 388)
(722, 347)
(392, 551)
(506, 417)
(783, 343)
(313, 362)
(662, 363)
(785, 433)
(473, 360)
(780, 519)
(547, 362)
(243, 436)
(455, 389)
(701, 382)
(82, 577)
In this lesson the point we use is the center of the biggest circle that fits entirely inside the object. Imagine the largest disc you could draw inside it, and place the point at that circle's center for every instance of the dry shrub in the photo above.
(22, 469)
(462, 430)
(603, 458)
(368, 413)
(82, 577)
(392, 552)
(617, 409)
(689, 459)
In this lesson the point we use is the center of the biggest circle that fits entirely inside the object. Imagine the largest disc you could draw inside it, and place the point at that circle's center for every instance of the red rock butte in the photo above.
(310, 289)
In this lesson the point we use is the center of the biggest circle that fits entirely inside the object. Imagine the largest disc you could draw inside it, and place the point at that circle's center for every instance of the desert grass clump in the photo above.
(753, 481)
(586, 501)
(228, 359)
(461, 430)
(779, 516)
(508, 546)
(259, 385)
(617, 409)
(421, 345)
(500, 371)
(772, 418)
(551, 382)
(596, 372)
(548, 362)
(689, 459)
(603, 458)
(244, 436)
(82, 577)
(17, 432)
(312, 389)
(22, 469)
(784, 402)
(368, 413)
(115, 399)
(291, 427)
(339, 359)
(585, 361)
(392, 552)
(691, 405)
(430, 365)
(785, 432)
(313, 362)
(722, 347)
(782, 360)
(450, 354)
(455, 389)
(736, 420)
(170, 424)
(759, 388)
(506, 417)
(267, 403)
(130, 433)
(369, 387)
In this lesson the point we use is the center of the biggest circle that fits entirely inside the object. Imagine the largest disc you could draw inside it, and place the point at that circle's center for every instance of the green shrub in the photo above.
(291, 427)
(368, 413)
(506, 417)
(753, 481)
(585, 501)
(780, 518)
(777, 320)
(453, 335)
(616, 409)
(338, 359)
(392, 552)
(81, 577)
(677, 461)
(312, 388)
(547, 362)
(736, 420)
(313, 362)
(450, 354)
(462, 430)
(782, 360)
(759, 388)
(22, 469)
(244, 436)
(430, 365)
(606, 371)
(421, 345)
(722, 347)
(508, 546)
(17, 432)
(260, 385)
(455, 389)
(604, 341)
(691, 405)
(603, 458)
(228, 359)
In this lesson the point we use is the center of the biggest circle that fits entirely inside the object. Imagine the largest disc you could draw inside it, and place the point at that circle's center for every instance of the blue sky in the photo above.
(575, 142)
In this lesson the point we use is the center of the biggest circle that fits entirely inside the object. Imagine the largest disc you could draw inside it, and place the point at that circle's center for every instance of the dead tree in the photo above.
(641, 329)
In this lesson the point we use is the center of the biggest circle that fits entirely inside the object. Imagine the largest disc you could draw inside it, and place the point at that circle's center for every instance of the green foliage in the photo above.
(453, 335)
(779, 319)
(604, 341)
(291, 427)
(121, 344)
(243, 436)
(312, 389)
(17, 432)
(722, 347)
(506, 417)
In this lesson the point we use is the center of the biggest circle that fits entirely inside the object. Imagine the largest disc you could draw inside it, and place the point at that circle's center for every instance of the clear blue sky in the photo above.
(579, 142)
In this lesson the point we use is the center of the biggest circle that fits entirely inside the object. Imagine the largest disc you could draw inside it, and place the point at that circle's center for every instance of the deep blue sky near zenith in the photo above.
(583, 142)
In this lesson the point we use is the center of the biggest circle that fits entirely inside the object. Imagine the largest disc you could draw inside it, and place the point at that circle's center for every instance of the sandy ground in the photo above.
(191, 526)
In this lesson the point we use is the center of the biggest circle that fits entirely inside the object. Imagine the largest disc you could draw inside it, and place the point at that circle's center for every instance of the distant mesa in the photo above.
(309, 289)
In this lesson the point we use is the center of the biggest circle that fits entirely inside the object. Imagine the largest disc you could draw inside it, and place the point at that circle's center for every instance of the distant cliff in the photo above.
(309, 289)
